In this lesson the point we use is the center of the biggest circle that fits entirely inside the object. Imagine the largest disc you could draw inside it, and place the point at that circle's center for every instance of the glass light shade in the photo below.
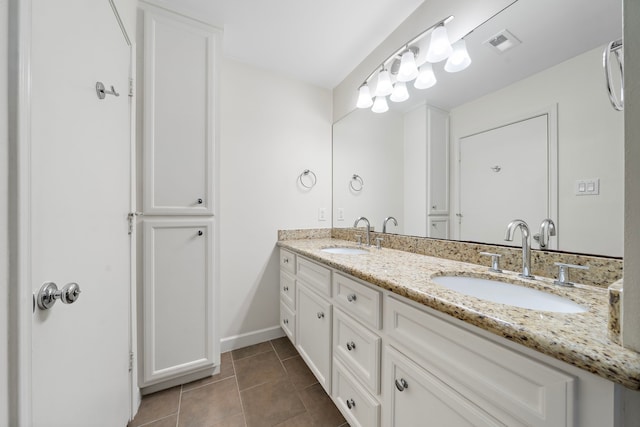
(408, 68)
(400, 92)
(364, 97)
(426, 77)
(439, 47)
(423, 48)
(380, 105)
(459, 58)
(384, 86)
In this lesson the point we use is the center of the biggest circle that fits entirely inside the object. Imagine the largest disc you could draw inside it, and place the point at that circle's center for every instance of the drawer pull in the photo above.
(285, 260)
(351, 346)
(320, 315)
(401, 384)
(200, 201)
(351, 297)
(351, 403)
(285, 288)
(285, 321)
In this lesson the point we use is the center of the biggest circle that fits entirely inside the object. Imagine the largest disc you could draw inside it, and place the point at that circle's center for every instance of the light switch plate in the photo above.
(587, 187)
(340, 214)
(322, 214)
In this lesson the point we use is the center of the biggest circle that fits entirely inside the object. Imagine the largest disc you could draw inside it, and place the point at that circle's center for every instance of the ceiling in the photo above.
(317, 41)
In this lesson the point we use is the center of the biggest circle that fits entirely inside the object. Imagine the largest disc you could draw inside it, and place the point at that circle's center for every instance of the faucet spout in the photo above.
(526, 244)
(387, 219)
(355, 225)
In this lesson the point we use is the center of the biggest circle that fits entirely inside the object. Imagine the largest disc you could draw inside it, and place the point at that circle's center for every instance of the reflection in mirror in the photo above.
(507, 140)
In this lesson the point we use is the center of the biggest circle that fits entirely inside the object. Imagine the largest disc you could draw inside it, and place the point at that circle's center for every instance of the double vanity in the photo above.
(404, 339)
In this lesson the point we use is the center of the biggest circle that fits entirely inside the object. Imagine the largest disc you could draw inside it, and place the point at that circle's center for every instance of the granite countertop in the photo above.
(580, 339)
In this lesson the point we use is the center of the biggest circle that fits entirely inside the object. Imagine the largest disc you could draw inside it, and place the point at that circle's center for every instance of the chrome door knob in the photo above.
(49, 293)
(352, 297)
(200, 201)
(70, 293)
(401, 384)
(351, 346)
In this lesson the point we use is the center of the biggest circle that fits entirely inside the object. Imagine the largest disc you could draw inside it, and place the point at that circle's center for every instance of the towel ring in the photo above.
(356, 182)
(313, 178)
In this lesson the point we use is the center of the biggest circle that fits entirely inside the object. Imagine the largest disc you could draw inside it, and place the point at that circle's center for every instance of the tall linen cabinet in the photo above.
(177, 188)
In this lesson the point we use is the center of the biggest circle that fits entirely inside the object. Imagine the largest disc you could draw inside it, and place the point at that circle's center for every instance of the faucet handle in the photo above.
(379, 242)
(359, 239)
(563, 273)
(495, 261)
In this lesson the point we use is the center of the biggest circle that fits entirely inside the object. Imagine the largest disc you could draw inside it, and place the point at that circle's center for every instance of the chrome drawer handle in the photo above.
(401, 384)
(285, 288)
(320, 315)
(285, 321)
(351, 403)
(351, 346)
(285, 261)
(351, 298)
(200, 201)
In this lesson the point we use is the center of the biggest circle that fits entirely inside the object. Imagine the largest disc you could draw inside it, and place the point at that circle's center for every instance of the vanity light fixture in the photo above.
(440, 46)
(364, 97)
(380, 105)
(400, 92)
(459, 58)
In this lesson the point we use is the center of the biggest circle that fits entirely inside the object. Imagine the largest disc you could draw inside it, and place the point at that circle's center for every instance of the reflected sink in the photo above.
(345, 251)
(509, 294)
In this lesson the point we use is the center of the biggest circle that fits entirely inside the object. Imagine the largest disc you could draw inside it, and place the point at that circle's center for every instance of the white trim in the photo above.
(250, 338)
(21, 298)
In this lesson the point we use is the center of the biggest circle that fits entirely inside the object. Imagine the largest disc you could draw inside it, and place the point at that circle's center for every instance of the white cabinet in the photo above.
(288, 294)
(179, 110)
(438, 227)
(416, 397)
(313, 332)
(356, 404)
(437, 161)
(178, 297)
(177, 84)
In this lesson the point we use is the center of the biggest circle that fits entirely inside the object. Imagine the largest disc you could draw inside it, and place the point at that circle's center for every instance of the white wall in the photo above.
(370, 145)
(4, 247)
(272, 128)
(590, 145)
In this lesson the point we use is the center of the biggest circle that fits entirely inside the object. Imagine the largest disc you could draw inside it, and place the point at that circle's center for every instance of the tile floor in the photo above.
(263, 385)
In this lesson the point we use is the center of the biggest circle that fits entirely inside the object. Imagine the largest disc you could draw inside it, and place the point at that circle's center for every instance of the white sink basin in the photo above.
(506, 293)
(345, 251)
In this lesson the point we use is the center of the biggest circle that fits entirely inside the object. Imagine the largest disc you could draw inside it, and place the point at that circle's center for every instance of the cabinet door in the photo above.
(177, 298)
(313, 333)
(415, 397)
(437, 161)
(178, 121)
(438, 227)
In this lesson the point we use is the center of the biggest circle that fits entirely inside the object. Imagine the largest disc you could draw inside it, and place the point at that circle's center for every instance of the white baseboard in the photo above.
(250, 338)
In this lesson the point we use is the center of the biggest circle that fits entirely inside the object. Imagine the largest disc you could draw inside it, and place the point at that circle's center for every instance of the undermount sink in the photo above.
(345, 250)
(509, 294)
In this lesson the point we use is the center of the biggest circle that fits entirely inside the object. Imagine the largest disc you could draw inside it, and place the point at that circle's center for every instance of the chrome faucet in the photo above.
(384, 223)
(526, 245)
(547, 229)
(355, 225)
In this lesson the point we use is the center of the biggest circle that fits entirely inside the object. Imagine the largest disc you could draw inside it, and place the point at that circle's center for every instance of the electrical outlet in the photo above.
(322, 214)
(340, 214)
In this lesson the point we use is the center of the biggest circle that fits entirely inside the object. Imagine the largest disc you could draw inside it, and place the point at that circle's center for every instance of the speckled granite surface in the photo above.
(615, 304)
(580, 339)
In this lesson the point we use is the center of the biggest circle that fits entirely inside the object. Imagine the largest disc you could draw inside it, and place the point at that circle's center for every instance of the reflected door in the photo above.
(504, 175)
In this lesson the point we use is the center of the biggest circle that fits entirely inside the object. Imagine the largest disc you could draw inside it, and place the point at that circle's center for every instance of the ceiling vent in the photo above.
(502, 41)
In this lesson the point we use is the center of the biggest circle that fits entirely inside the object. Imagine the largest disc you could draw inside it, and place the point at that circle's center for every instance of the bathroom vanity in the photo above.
(393, 348)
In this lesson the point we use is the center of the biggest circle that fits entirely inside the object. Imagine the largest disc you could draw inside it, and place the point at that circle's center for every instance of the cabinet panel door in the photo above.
(438, 227)
(313, 333)
(178, 124)
(418, 398)
(177, 298)
(438, 161)
(288, 322)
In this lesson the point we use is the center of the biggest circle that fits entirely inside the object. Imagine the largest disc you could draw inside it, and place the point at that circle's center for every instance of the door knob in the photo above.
(49, 293)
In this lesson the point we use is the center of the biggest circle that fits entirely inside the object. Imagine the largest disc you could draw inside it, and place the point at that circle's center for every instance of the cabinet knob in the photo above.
(320, 315)
(351, 297)
(351, 403)
(200, 233)
(434, 207)
(285, 288)
(285, 261)
(401, 384)
(200, 201)
(285, 321)
(351, 346)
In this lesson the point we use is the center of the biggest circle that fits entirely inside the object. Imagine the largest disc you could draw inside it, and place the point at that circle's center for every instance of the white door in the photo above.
(504, 175)
(80, 196)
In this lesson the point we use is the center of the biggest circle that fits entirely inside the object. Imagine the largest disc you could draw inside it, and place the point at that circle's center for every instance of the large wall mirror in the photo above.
(528, 133)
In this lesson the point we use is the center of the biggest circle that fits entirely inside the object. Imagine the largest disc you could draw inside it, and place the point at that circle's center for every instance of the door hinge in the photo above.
(131, 87)
(130, 361)
(131, 217)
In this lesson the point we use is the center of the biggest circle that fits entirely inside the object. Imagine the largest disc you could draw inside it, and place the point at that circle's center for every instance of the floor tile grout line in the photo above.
(159, 419)
(244, 415)
(207, 384)
(179, 405)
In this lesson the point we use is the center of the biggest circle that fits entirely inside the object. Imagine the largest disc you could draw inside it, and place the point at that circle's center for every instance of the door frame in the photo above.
(552, 164)
(21, 297)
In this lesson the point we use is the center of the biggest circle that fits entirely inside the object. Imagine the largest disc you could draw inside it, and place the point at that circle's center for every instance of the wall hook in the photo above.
(102, 92)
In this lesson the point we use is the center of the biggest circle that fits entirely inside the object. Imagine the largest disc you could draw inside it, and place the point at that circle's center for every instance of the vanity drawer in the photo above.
(358, 348)
(288, 289)
(287, 261)
(288, 322)
(358, 300)
(314, 275)
(358, 407)
(509, 385)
